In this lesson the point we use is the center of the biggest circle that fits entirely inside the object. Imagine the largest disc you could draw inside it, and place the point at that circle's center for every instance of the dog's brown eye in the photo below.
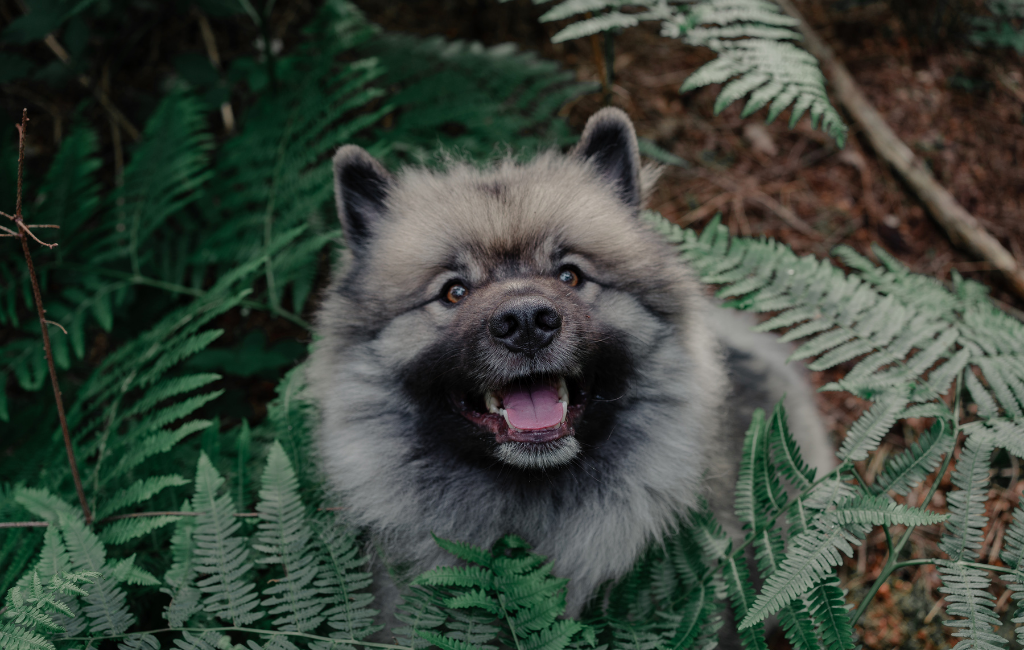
(455, 293)
(570, 277)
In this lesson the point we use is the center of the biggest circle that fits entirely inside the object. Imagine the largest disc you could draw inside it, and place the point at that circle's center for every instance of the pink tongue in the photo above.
(533, 407)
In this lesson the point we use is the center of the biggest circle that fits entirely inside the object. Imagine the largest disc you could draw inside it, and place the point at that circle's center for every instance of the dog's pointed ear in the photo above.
(609, 142)
(361, 187)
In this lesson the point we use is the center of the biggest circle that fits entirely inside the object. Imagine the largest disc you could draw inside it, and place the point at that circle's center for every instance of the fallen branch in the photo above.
(960, 225)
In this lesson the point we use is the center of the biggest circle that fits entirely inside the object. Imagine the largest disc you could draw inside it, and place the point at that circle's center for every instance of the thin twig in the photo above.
(227, 114)
(42, 318)
(58, 325)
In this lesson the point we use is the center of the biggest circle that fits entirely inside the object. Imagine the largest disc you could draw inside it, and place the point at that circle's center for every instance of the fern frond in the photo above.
(29, 613)
(751, 40)
(106, 605)
(419, 613)
(139, 642)
(596, 25)
(795, 619)
(123, 531)
(53, 563)
(180, 577)
(963, 537)
(284, 538)
(219, 554)
(830, 613)
(908, 468)
(966, 588)
(342, 576)
(139, 491)
(814, 551)
(967, 596)
(741, 595)
(163, 174)
(1013, 557)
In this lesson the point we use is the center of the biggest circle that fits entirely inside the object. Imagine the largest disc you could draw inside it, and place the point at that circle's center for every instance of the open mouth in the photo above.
(536, 409)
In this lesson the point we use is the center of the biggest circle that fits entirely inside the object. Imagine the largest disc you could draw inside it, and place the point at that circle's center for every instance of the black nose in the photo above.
(525, 325)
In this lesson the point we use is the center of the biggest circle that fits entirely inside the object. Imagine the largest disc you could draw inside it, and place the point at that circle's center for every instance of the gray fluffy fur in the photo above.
(679, 423)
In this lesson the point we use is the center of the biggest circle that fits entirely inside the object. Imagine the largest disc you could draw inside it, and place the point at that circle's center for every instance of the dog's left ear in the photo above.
(361, 186)
(609, 141)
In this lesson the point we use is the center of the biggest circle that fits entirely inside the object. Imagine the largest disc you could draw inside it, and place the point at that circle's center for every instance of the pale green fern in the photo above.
(753, 41)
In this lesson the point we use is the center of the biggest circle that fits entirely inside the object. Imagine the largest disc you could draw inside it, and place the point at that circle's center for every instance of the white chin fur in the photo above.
(533, 456)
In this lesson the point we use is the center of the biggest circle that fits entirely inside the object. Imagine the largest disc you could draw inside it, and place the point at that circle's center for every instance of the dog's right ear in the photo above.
(361, 187)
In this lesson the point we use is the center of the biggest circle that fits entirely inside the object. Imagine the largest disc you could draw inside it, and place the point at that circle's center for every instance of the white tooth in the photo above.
(563, 391)
(491, 400)
(503, 413)
(565, 411)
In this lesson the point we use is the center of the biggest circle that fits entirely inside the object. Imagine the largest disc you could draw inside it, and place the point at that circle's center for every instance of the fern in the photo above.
(284, 538)
(752, 39)
(505, 595)
(30, 611)
(220, 554)
(910, 467)
(106, 603)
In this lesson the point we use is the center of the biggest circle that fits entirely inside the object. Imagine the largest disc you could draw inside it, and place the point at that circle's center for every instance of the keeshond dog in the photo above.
(512, 350)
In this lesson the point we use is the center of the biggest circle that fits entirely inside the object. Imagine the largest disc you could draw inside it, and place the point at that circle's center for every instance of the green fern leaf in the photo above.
(456, 577)
(465, 552)
(284, 538)
(966, 588)
(596, 25)
(1013, 557)
(867, 431)
(746, 501)
(219, 554)
(139, 491)
(54, 562)
(139, 642)
(812, 555)
(741, 595)
(967, 596)
(795, 619)
(343, 578)
(872, 510)
(420, 614)
(908, 468)
(967, 504)
(29, 613)
(829, 611)
(106, 605)
(180, 577)
(447, 643)
(786, 451)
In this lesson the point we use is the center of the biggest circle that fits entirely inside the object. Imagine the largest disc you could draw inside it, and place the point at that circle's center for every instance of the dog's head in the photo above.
(515, 307)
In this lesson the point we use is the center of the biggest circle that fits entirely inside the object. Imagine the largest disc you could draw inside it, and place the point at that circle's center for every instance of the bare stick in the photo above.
(227, 115)
(960, 225)
(42, 318)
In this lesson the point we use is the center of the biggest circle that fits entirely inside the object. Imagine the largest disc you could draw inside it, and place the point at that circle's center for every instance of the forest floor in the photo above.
(959, 108)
